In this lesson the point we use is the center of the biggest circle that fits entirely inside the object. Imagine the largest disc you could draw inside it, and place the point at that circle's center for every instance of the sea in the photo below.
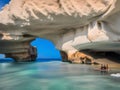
(55, 75)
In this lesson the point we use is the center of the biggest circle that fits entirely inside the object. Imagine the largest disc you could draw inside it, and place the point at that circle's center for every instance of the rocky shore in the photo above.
(78, 58)
(94, 58)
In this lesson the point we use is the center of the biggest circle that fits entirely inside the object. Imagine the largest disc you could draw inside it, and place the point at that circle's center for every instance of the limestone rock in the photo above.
(79, 57)
(72, 25)
(64, 56)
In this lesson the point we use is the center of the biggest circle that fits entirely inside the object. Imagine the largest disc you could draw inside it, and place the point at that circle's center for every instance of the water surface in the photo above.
(54, 75)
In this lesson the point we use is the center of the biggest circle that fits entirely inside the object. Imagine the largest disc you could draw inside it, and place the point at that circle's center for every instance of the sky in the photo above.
(46, 48)
(3, 3)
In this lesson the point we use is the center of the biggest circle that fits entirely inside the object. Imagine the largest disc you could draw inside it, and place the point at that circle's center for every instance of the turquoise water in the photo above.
(54, 75)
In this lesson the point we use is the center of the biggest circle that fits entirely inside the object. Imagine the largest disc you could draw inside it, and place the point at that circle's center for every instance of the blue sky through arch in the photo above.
(45, 48)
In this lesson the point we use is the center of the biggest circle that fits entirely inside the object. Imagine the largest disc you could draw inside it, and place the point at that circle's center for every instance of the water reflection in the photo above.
(54, 76)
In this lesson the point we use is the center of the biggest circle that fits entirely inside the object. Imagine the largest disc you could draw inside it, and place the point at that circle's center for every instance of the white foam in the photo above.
(115, 75)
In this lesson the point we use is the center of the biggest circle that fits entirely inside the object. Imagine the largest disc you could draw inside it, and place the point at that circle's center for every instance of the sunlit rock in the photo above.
(68, 23)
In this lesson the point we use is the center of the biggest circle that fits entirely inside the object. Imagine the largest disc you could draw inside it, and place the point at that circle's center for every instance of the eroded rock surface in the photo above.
(71, 24)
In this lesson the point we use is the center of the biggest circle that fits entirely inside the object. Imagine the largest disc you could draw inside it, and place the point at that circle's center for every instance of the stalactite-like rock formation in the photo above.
(72, 25)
